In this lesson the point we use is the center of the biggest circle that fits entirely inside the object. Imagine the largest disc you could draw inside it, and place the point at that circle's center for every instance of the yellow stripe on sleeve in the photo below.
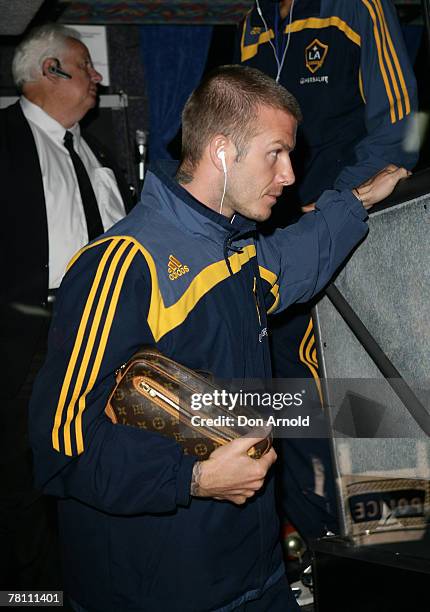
(90, 345)
(102, 346)
(395, 59)
(303, 354)
(388, 60)
(311, 358)
(381, 61)
(78, 342)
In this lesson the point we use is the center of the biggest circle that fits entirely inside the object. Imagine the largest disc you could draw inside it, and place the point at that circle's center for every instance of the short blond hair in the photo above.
(227, 102)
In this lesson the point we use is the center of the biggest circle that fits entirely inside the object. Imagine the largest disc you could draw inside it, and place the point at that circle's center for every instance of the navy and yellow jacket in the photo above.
(175, 274)
(347, 66)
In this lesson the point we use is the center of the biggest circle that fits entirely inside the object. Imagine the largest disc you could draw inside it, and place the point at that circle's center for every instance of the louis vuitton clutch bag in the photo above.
(154, 393)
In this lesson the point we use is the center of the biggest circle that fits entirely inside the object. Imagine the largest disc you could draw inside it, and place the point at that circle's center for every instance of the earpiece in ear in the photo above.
(221, 156)
(56, 70)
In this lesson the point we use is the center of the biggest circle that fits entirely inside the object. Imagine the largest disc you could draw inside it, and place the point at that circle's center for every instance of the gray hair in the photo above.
(45, 41)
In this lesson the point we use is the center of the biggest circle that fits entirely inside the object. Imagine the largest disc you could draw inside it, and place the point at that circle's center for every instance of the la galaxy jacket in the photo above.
(177, 275)
(347, 65)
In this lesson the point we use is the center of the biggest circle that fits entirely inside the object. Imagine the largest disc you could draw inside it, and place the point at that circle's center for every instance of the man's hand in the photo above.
(230, 474)
(379, 186)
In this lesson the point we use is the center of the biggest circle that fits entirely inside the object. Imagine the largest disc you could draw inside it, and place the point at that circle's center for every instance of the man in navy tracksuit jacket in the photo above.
(346, 63)
(143, 526)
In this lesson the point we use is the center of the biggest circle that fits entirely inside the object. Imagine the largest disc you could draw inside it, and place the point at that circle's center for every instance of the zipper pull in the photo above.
(152, 392)
(254, 291)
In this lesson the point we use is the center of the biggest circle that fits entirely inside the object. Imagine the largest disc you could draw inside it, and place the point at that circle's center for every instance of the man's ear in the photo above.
(48, 69)
(218, 151)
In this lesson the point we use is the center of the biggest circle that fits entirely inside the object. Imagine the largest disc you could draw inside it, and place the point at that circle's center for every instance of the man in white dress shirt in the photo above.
(58, 192)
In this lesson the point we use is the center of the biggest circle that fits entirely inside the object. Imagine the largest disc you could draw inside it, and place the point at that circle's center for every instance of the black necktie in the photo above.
(91, 210)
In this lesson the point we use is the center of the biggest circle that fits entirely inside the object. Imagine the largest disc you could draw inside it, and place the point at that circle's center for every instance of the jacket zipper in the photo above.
(254, 291)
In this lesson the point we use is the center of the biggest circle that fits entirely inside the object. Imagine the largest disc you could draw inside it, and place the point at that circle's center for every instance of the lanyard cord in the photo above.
(279, 64)
(280, 41)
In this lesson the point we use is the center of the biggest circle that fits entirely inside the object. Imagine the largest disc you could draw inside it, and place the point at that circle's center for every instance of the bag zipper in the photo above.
(220, 439)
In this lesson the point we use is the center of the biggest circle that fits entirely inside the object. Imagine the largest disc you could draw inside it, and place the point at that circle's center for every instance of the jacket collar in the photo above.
(192, 215)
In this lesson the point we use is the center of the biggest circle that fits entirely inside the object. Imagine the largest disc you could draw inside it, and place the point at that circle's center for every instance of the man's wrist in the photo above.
(364, 198)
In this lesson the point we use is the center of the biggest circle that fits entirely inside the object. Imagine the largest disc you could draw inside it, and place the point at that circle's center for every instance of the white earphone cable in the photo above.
(279, 64)
(223, 192)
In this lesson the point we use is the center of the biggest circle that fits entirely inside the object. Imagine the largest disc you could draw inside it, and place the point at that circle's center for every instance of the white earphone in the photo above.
(221, 156)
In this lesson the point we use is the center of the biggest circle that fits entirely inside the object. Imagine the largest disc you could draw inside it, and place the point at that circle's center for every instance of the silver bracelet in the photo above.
(356, 193)
(195, 479)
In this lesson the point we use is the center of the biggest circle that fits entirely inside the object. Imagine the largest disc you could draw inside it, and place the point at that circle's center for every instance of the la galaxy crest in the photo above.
(315, 54)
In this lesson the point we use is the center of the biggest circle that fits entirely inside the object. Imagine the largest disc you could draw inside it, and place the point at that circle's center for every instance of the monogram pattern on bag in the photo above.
(142, 384)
